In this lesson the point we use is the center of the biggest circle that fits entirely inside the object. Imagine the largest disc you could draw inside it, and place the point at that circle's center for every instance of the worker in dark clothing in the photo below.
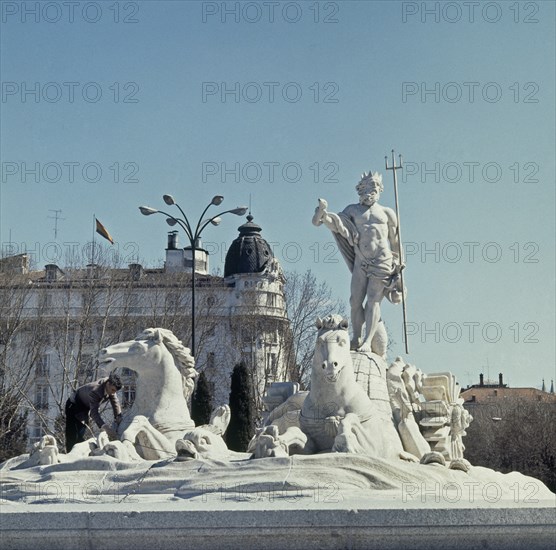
(85, 403)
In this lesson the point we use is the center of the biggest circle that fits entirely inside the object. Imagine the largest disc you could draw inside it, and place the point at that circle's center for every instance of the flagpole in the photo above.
(93, 249)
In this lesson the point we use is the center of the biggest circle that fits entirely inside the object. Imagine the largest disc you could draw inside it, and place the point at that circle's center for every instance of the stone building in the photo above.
(488, 392)
(54, 321)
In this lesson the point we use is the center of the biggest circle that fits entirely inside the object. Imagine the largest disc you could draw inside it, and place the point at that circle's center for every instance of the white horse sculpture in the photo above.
(337, 414)
(165, 379)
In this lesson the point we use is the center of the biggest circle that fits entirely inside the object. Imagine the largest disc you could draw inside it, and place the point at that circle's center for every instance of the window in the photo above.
(171, 299)
(89, 336)
(129, 380)
(41, 396)
(210, 361)
(46, 300)
(272, 336)
(51, 272)
(246, 358)
(175, 300)
(86, 369)
(248, 335)
(128, 395)
(134, 303)
(42, 334)
(42, 368)
(270, 300)
(271, 362)
(91, 301)
(35, 433)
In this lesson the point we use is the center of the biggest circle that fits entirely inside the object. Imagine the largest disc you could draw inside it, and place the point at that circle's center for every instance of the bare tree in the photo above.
(23, 343)
(306, 299)
(14, 365)
(514, 434)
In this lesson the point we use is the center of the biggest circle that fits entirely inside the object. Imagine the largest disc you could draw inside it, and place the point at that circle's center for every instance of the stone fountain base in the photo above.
(277, 525)
(321, 501)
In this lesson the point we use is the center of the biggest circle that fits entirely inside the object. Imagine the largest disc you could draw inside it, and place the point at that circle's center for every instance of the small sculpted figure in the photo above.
(460, 421)
(366, 234)
(44, 452)
(207, 441)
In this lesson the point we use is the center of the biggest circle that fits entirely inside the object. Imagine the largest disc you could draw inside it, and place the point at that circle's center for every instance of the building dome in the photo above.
(249, 253)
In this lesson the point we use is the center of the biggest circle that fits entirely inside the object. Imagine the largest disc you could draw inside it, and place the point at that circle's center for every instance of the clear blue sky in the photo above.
(350, 82)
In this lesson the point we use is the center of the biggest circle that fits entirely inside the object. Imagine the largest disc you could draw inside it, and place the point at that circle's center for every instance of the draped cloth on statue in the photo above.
(347, 238)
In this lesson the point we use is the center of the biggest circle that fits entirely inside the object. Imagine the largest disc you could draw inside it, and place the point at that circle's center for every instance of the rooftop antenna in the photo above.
(468, 374)
(56, 218)
(249, 203)
(7, 249)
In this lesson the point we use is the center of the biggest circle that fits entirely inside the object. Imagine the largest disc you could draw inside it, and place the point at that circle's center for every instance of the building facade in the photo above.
(54, 321)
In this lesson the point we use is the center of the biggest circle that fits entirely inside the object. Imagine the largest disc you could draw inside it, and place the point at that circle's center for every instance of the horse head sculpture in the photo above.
(165, 379)
(149, 348)
(332, 349)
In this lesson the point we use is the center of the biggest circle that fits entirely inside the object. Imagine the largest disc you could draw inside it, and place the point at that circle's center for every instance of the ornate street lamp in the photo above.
(193, 237)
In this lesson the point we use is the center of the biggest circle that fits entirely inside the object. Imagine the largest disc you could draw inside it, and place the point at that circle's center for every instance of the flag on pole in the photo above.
(101, 230)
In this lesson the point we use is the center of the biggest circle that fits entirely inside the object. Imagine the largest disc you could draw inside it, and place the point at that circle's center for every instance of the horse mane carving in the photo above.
(181, 354)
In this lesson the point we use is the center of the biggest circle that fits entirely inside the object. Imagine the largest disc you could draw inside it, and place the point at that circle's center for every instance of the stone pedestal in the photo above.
(220, 524)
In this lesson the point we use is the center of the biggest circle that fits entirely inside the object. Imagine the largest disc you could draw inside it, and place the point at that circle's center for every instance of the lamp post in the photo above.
(193, 236)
